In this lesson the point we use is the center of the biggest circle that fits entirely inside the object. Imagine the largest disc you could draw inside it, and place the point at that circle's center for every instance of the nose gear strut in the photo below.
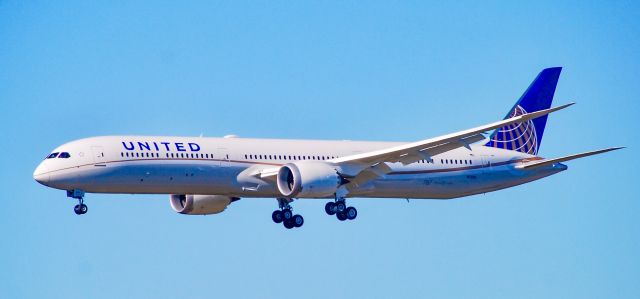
(80, 208)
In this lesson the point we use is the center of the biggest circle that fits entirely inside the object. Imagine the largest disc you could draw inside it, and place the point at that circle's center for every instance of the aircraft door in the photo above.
(223, 157)
(98, 154)
(486, 163)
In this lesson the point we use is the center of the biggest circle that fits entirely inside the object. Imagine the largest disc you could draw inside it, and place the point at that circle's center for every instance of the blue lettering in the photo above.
(180, 147)
(144, 145)
(194, 147)
(127, 147)
(156, 146)
(166, 145)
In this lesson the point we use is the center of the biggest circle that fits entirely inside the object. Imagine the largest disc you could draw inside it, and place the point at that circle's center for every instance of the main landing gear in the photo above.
(340, 209)
(285, 216)
(80, 208)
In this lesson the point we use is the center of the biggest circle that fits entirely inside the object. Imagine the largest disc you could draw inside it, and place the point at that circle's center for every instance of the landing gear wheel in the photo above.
(77, 210)
(288, 224)
(351, 213)
(83, 209)
(287, 214)
(297, 220)
(277, 216)
(342, 216)
(330, 208)
(340, 206)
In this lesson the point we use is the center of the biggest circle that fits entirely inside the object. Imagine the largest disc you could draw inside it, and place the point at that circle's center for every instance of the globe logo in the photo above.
(520, 136)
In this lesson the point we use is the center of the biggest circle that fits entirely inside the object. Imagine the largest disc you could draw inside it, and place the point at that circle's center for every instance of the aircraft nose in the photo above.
(40, 176)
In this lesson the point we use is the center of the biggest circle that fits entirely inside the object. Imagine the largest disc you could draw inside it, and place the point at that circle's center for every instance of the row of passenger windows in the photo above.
(167, 155)
(63, 155)
(287, 157)
(210, 156)
(254, 157)
(449, 161)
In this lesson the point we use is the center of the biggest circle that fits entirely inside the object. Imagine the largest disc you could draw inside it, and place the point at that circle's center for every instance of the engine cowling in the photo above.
(308, 179)
(200, 204)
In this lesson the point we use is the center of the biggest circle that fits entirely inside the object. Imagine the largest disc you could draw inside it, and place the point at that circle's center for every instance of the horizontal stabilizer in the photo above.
(546, 162)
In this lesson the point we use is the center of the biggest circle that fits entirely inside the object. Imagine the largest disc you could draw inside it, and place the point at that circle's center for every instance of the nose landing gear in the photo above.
(80, 208)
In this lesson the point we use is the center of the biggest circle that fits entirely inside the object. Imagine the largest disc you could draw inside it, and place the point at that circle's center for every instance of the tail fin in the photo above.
(526, 136)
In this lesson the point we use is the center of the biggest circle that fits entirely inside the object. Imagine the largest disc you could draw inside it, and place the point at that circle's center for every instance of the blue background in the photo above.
(329, 70)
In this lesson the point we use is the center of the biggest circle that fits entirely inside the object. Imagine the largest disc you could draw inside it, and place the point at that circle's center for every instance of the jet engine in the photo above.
(308, 179)
(200, 204)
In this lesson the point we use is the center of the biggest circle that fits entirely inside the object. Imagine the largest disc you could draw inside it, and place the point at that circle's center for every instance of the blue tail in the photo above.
(526, 136)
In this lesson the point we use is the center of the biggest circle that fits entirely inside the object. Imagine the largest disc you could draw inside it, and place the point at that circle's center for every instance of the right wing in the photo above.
(364, 167)
(361, 168)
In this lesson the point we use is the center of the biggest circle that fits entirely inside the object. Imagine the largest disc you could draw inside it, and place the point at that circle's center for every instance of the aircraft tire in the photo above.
(277, 216)
(330, 208)
(351, 213)
(288, 224)
(297, 220)
(287, 214)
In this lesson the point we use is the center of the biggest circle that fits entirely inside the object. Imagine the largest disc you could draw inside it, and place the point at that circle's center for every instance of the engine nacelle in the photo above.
(308, 179)
(200, 204)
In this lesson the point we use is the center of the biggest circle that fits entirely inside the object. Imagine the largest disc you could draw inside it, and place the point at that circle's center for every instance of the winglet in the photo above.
(533, 115)
(547, 111)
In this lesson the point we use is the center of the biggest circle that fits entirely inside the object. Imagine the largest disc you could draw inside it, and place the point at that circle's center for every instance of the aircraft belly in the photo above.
(439, 186)
(184, 177)
(201, 177)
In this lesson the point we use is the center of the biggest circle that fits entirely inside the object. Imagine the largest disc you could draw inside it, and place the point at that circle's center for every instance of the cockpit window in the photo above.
(53, 155)
(64, 155)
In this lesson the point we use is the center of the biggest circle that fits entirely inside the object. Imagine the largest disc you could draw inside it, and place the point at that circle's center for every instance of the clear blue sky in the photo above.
(328, 70)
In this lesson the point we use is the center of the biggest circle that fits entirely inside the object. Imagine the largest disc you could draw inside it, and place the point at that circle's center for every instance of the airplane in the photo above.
(205, 175)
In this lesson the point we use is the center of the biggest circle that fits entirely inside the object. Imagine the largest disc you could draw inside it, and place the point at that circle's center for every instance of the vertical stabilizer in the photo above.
(526, 136)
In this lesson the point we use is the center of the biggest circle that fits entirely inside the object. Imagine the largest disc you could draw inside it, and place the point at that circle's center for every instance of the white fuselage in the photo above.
(224, 166)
